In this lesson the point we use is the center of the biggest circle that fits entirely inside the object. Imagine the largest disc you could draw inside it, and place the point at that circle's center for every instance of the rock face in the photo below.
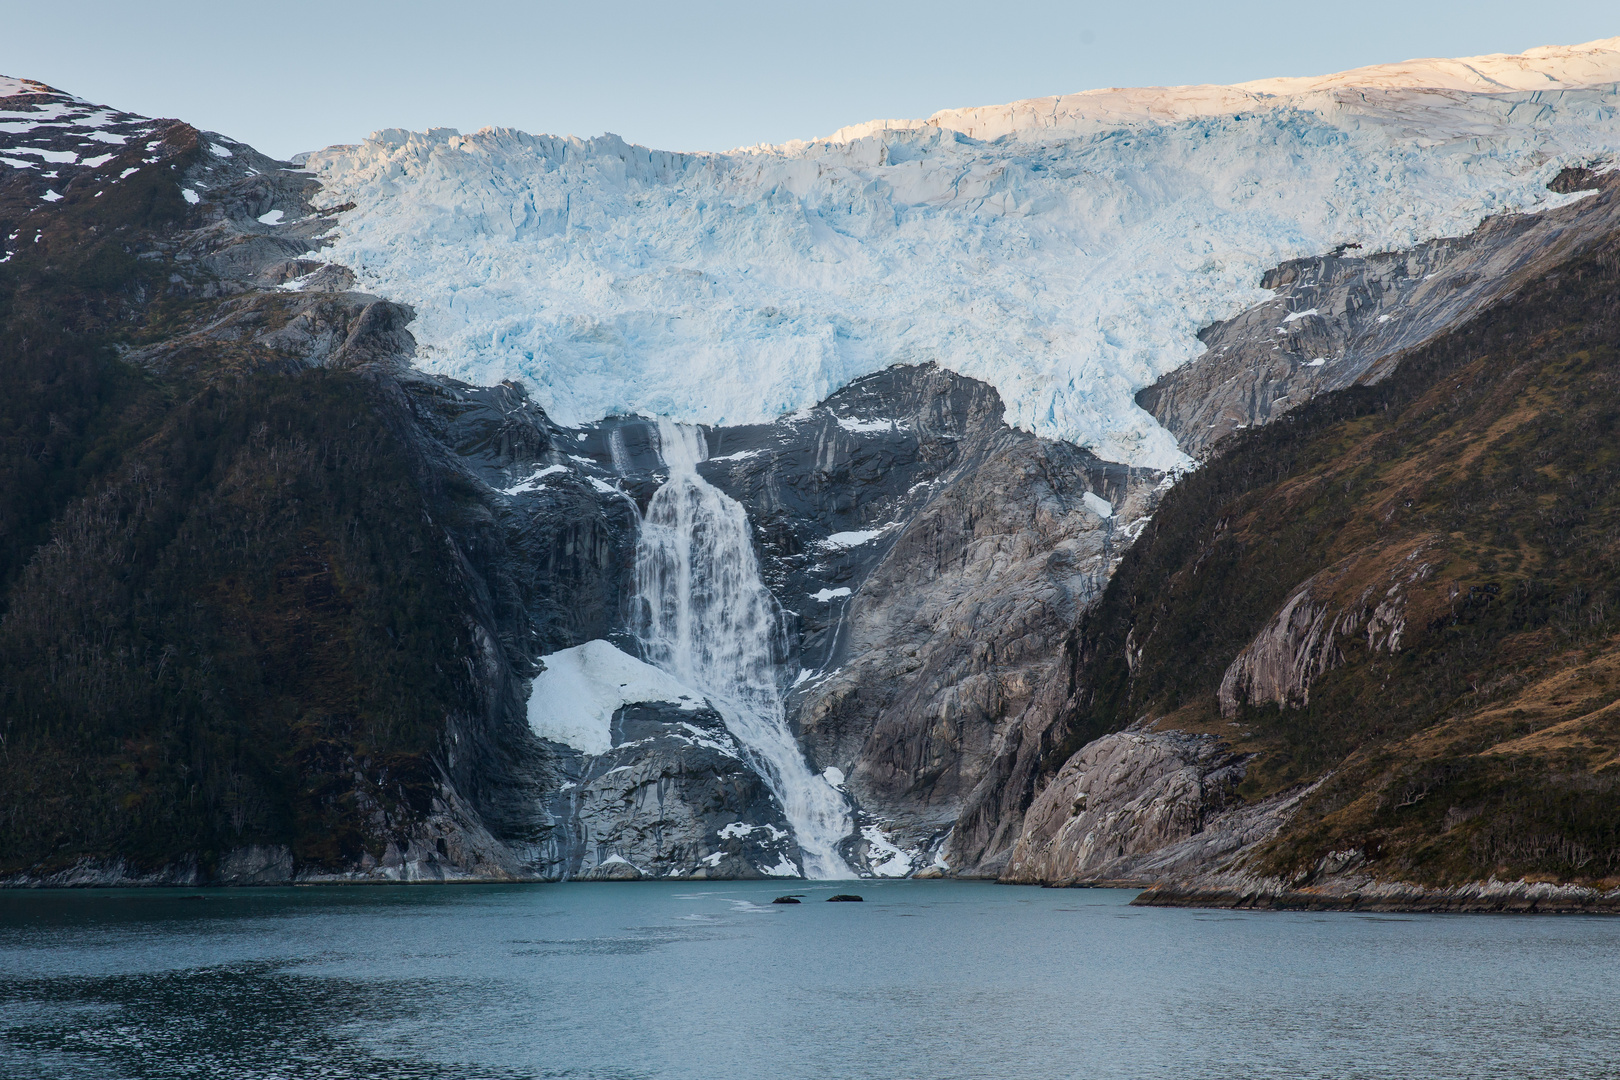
(673, 798)
(929, 559)
(1302, 642)
(1139, 807)
(1120, 799)
(1298, 646)
(946, 643)
(1346, 318)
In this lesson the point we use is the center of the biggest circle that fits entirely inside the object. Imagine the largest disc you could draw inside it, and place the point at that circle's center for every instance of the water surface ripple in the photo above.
(925, 980)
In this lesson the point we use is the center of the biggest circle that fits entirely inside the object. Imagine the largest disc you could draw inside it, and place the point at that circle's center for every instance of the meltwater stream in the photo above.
(705, 617)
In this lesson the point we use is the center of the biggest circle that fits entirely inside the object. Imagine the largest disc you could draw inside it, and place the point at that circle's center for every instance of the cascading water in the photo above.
(705, 617)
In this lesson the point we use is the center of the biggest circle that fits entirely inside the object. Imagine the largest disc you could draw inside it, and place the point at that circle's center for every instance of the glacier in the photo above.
(1065, 250)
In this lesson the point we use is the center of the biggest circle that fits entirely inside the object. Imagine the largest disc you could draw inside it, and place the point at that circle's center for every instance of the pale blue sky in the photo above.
(298, 75)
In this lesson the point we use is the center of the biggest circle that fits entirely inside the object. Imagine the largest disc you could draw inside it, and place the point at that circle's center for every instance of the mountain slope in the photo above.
(1403, 595)
(228, 618)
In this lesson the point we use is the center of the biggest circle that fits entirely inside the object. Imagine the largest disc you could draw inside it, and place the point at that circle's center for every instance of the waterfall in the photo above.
(704, 616)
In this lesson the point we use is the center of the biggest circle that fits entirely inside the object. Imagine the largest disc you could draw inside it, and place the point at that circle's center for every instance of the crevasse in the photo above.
(705, 617)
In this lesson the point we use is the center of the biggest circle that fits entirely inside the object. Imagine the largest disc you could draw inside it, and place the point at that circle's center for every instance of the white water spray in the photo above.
(705, 617)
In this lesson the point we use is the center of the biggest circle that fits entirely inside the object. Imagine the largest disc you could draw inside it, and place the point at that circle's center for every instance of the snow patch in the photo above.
(854, 539)
(49, 196)
(830, 594)
(1296, 315)
(883, 857)
(865, 426)
(783, 868)
(272, 218)
(1098, 505)
(742, 828)
(573, 700)
(532, 482)
(190, 196)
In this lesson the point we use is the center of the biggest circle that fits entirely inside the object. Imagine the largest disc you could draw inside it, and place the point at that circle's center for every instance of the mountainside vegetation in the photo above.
(1410, 589)
(228, 615)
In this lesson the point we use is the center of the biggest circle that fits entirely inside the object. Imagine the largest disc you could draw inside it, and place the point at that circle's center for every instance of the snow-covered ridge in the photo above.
(10, 87)
(1068, 266)
(1556, 67)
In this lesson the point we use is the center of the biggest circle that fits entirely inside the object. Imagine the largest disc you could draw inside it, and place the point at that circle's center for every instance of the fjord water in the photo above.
(705, 616)
(937, 980)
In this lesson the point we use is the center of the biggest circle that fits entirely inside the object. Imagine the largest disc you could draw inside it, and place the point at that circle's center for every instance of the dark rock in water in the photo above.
(786, 900)
(844, 898)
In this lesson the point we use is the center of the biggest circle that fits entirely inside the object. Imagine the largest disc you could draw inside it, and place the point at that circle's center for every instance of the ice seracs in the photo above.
(1066, 250)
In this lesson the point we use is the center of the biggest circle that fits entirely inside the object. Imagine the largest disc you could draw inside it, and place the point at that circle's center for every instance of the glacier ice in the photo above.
(1065, 250)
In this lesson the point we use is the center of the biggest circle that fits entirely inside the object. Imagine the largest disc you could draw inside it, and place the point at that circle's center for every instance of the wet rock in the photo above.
(614, 869)
(786, 900)
(844, 898)
(673, 798)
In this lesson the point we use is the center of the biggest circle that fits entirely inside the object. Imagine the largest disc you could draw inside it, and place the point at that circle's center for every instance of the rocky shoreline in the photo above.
(1476, 897)
(265, 868)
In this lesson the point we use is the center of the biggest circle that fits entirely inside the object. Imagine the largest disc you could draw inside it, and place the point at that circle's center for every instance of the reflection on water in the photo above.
(925, 980)
(261, 1019)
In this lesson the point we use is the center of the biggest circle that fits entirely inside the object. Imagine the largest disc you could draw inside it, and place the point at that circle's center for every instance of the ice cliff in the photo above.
(1065, 250)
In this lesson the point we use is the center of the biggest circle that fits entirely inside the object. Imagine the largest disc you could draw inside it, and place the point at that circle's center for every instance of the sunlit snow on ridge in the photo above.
(1069, 263)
